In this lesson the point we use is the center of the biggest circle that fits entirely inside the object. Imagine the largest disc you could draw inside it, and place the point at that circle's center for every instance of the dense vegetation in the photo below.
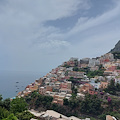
(96, 106)
(116, 55)
(113, 88)
(40, 102)
(91, 105)
(14, 110)
(90, 73)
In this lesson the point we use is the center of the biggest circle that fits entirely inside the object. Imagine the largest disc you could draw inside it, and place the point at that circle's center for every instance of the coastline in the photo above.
(8, 86)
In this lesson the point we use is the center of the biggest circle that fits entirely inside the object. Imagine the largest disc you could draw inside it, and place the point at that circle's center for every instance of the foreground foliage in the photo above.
(18, 105)
(90, 106)
(14, 110)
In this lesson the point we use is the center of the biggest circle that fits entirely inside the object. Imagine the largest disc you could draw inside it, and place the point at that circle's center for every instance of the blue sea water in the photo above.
(11, 82)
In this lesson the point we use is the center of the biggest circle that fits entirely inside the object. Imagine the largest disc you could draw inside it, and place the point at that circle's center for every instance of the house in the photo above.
(49, 88)
(106, 58)
(65, 90)
(80, 95)
(73, 118)
(94, 68)
(53, 115)
(66, 85)
(103, 85)
(48, 93)
(93, 62)
(72, 62)
(69, 84)
(57, 97)
(107, 65)
(86, 87)
(73, 59)
(76, 74)
(92, 92)
(117, 80)
(68, 96)
(25, 93)
(84, 61)
(42, 90)
(117, 71)
(95, 82)
(108, 73)
(63, 85)
(83, 65)
(39, 81)
(112, 68)
(56, 87)
(108, 117)
(33, 88)
(60, 101)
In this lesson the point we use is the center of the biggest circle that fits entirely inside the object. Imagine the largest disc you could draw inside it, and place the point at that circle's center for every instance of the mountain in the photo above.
(116, 48)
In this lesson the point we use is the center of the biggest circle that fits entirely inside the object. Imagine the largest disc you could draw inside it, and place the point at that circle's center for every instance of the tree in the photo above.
(91, 105)
(25, 115)
(73, 103)
(3, 113)
(6, 104)
(118, 87)
(11, 117)
(76, 62)
(74, 92)
(60, 116)
(75, 69)
(1, 100)
(116, 55)
(18, 105)
(111, 87)
(66, 102)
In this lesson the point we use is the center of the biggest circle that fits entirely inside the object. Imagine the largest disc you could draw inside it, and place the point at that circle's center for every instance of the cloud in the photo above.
(22, 20)
(23, 37)
(85, 23)
(26, 43)
(38, 10)
(53, 44)
(94, 36)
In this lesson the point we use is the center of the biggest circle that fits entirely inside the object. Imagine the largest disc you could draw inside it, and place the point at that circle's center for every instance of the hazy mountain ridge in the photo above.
(116, 48)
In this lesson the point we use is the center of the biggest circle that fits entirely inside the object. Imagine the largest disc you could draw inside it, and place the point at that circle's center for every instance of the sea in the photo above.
(12, 82)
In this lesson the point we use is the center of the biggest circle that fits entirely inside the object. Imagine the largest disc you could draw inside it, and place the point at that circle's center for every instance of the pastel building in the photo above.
(103, 85)
(108, 117)
(42, 90)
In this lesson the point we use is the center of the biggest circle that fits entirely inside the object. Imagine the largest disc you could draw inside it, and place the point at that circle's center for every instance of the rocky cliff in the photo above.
(116, 48)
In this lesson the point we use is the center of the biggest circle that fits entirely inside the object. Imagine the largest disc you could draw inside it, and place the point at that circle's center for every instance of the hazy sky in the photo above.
(38, 35)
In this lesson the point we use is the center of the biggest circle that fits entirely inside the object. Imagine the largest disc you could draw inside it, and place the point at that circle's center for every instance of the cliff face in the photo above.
(116, 48)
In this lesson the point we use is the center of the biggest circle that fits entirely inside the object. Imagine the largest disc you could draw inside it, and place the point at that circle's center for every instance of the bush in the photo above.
(18, 105)
(26, 115)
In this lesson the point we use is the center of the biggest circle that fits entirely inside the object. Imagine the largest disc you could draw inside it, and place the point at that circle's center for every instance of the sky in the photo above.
(39, 35)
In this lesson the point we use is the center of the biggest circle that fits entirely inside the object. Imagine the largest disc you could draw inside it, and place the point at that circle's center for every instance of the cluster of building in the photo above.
(53, 115)
(109, 117)
(58, 85)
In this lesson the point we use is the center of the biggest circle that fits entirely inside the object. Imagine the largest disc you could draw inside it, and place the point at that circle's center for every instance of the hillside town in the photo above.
(84, 76)
(59, 82)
